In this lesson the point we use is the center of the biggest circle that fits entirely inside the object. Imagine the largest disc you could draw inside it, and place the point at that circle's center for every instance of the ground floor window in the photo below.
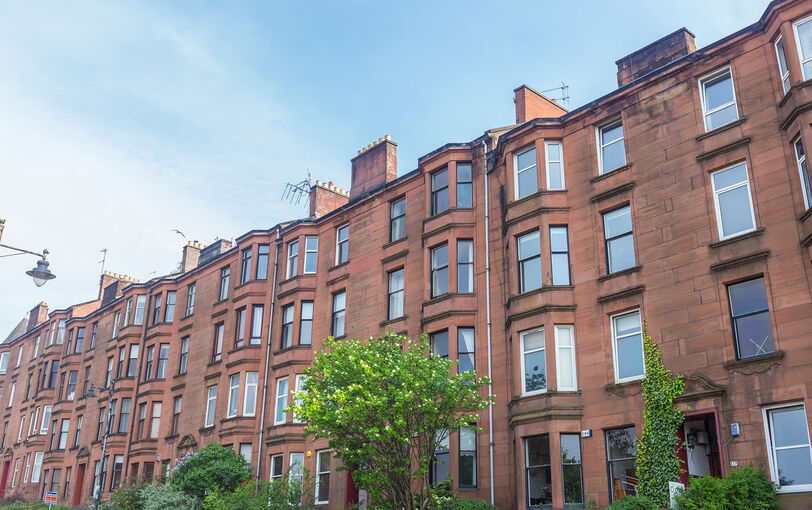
(789, 448)
(322, 476)
(621, 451)
(571, 469)
(538, 470)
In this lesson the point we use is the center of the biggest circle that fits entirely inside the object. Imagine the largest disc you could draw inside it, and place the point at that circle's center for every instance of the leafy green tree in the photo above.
(657, 462)
(282, 494)
(214, 467)
(385, 405)
(159, 496)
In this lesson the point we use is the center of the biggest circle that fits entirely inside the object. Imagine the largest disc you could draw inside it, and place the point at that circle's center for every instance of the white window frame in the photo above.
(560, 162)
(299, 382)
(804, 176)
(558, 347)
(767, 421)
(233, 395)
(274, 459)
(798, 44)
(522, 334)
(211, 403)
(293, 259)
(281, 401)
(315, 254)
(716, 200)
(317, 475)
(250, 388)
(11, 395)
(339, 242)
(601, 145)
(612, 318)
(36, 470)
(20, 354)
(46, 419)
(783, 74)
(705, 112)
(296, 466)
(27, 467)
(3, 362)
(14, 476)
(517, 170)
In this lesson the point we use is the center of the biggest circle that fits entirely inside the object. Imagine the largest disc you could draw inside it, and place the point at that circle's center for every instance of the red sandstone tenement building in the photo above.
(532, 253)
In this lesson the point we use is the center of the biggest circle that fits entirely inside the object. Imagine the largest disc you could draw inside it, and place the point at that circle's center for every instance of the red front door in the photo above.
(77, 487)
(4, 479)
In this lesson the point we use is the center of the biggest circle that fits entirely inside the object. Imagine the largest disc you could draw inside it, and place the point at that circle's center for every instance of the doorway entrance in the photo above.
(4, 478)
(77, 487)
(700, 454)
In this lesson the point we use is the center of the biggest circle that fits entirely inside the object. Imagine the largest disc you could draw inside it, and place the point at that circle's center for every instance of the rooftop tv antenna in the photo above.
(295, 192)
(563, 94)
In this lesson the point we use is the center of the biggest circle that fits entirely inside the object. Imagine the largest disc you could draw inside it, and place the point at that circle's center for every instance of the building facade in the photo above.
(536, 254)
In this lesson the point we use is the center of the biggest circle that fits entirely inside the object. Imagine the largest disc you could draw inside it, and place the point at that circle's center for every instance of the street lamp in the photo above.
(102, 475)
(40, 273)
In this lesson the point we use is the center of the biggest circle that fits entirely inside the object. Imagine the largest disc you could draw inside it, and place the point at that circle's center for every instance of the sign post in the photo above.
(50, 498)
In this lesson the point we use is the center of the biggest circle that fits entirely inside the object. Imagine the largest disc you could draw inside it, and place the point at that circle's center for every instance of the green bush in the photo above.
(213, 468)
(163, 496)
(474, 504)
(632, 503)
(20, 505)
(129, 496)
(277, 495)
(747, 487)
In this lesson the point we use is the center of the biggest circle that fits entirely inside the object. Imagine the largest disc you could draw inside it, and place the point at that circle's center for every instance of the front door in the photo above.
(700, 454)
(77, 487)
(4, 478)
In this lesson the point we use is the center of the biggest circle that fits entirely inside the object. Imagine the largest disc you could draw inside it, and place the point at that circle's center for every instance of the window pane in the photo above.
(463, 172)
(465, 340)
(528, 183)
(621, 253)
(573, 490)
(621, 444)
(535, 366)
(396, 280)
(439, 256)
(561, 269)
(539, 488)
(439, 180)
(627, 324)
(566, 378)
(533, 341)
(465, 251)
(730, 177)
(624, 478)
(440, 282)
(735, 211)
(440, 201)
(805, 39)
(538, 450)
(630, 356)
(555, 175)
(610, 134)
(723, 116)
(553, 152)
(398, 208)
(747, 297)
(467, 439)
(570, 449)
(614, 156)
(529, 245)
(467, 363)
(467, 470)
(439, 344)
(789, 427)
(526, 159)
(718, 91)
(754, 334)
(617, 222)
(794, 466)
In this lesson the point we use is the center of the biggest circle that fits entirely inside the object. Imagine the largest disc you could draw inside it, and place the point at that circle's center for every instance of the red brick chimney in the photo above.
(376, 164)
(107, 279)
(191, 255)
(657, 54)
(326, 197)
(533, 105)
(37, 315)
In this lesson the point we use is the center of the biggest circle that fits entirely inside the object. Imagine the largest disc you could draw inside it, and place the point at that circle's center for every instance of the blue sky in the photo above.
(142, 117)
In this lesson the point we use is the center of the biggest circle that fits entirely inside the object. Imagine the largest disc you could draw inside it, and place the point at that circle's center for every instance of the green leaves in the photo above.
(214, 467)
(657, 462)
(380, 404)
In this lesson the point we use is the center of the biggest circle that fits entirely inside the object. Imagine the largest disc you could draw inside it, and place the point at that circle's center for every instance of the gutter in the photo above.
(268, 355)
(488, 316)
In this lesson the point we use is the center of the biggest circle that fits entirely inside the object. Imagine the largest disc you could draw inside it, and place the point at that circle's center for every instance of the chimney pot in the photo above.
(661, 52)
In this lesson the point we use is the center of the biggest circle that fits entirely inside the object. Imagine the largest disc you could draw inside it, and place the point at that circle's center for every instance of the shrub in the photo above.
(474, 504)
(130, 496)
(632, 503)
(747, 487)
(281, 494)
(163, 496)
(213, 468)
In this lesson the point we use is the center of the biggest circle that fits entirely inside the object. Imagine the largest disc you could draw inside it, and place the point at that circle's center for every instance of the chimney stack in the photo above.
(655, 55)
(111, 284)
(533, 105)
(37, 315)
(326, 197)
(191, 255)
(375, 165)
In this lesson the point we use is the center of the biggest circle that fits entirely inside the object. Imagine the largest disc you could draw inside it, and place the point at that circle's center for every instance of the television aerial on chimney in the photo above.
(563, 97)
(295, 192)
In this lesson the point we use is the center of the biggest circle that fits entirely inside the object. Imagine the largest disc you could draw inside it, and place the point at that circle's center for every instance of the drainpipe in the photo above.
(488, 315)
(268, 354)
